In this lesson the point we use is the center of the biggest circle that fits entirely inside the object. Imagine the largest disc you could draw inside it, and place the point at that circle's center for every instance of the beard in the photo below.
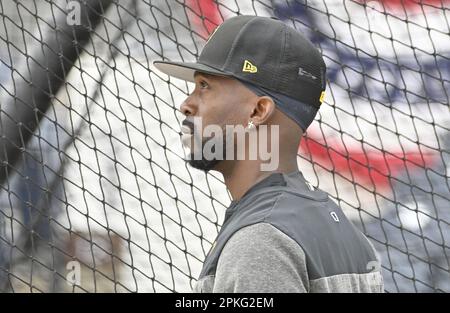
(205, 164)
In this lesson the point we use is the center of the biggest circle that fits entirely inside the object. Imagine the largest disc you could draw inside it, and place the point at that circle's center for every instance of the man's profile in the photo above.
(258, 86)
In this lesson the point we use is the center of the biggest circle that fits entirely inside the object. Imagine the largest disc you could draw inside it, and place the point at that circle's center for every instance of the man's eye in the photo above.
(203, 84)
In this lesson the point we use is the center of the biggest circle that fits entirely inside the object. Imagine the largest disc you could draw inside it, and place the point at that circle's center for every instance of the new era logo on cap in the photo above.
(249, 67)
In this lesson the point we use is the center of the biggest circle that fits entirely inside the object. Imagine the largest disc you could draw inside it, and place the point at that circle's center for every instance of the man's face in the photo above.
(217, 101)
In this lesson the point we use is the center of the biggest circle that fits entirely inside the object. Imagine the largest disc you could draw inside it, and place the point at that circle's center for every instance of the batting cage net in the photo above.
(96, 195)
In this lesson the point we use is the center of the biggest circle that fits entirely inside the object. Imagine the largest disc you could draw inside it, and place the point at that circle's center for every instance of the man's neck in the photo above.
(242, 175)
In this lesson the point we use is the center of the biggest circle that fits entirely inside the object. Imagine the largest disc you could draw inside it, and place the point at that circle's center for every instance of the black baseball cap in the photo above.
(265, 53)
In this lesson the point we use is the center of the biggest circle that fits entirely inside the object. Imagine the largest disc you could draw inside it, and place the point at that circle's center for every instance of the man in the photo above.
(279, 233)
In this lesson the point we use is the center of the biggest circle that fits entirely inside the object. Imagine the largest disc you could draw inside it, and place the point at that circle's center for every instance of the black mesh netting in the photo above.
(95, 195)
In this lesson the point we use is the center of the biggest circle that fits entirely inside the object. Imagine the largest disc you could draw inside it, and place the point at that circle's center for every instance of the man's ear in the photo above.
(263, 110)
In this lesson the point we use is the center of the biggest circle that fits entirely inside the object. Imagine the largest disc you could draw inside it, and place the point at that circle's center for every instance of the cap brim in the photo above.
(185, 70)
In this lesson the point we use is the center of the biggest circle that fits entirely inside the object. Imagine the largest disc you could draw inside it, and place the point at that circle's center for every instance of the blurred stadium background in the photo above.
(92, 167)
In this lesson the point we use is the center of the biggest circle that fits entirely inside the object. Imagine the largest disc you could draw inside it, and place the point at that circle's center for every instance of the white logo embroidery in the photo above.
(302, 72)
(334, 216)
(311, 187)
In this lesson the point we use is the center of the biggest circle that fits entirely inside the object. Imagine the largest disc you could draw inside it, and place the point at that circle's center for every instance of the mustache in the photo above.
(188, 122)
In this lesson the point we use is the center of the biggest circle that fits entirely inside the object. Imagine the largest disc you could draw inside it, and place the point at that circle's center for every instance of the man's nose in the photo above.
(188, 107)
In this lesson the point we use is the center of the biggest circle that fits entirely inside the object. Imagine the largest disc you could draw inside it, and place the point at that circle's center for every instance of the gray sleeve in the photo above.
(261, 258)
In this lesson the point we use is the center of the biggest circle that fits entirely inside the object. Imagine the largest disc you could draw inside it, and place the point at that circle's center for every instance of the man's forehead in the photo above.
(210, 76)
(197, 73)
(223, 81)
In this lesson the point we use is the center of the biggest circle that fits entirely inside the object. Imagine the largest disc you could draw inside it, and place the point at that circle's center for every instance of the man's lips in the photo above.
(186, 140)
(187, 132)
(187, 127)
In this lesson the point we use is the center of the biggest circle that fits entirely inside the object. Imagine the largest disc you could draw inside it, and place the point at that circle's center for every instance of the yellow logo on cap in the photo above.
(322, 96)
(249, 67)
